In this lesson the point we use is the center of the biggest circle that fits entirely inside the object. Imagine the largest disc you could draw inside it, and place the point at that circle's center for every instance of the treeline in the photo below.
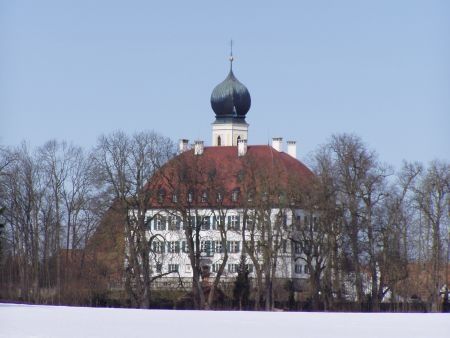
(373, 234)
(51, 207)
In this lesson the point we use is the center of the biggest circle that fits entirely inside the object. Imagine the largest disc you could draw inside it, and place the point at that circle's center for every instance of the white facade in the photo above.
(228, 133)
(169, 251)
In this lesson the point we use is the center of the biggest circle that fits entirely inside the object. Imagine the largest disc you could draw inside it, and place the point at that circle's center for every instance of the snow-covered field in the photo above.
(62, 321)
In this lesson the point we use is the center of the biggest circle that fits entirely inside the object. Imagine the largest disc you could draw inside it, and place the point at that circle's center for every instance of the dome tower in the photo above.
(230, 101)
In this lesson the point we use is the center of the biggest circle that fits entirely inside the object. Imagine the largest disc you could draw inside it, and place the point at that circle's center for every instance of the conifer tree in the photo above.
(241, 291)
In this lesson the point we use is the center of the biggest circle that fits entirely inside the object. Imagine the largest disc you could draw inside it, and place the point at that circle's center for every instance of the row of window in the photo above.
(203, 198)
(231, 268)
(299, 269)
(206, 247)
(209, 247)
(160, 222)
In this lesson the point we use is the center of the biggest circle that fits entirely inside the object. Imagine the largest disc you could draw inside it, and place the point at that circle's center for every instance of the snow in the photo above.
(61, 321)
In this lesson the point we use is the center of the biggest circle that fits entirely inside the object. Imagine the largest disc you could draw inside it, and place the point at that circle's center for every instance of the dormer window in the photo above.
(235, 195)
(190, 196)
(204, 197)
(219, 197)
(161, 194)
(250, 196)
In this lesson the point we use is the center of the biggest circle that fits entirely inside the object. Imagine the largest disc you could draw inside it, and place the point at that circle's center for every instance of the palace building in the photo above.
(216, 203)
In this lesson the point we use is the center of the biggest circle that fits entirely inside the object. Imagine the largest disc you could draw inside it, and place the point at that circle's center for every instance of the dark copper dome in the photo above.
(230, 98)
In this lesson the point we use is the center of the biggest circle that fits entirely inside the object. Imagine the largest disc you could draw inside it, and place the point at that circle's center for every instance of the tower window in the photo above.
(219, 141)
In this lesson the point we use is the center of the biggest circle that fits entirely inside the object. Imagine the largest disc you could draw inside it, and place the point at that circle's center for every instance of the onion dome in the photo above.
(230, 98)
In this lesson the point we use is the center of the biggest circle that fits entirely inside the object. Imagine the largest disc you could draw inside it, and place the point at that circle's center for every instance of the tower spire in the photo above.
(231, 55)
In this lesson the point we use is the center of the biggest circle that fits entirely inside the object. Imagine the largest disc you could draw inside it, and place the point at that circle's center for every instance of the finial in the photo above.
(231, 55)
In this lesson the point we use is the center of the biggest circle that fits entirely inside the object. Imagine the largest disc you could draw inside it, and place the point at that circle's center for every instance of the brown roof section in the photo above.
(262, 168)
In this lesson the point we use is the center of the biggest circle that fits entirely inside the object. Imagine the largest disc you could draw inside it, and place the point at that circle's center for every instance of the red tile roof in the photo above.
(221, 169)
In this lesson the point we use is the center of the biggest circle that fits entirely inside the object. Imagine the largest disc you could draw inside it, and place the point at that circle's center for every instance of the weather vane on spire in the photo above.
(231, 54)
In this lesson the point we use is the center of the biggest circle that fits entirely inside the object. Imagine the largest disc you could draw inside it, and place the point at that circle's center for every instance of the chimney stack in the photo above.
(198, 148)
(183, 145)
(242, 147)
(292, 148)
(277, 143)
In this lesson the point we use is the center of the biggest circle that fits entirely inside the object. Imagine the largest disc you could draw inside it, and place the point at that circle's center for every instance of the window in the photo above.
(250, 219)
(233, 246)
(206, 247)
(159, 223)
(188, 268)
(158, 267)
(204, 222)
(218, 246)
(306, 270)
(158, 247)
(215, 267)
(234, 222)
(219, 141)
(284, 245)
(218, 222)
(184, 247)
(233, 268)
(173, 247)
(174, 198)
(298, 248)
(204, 197)
(192, 221)
(174, 222)
(305, 220)
(235, 195)
(173, 267)
(298, 268)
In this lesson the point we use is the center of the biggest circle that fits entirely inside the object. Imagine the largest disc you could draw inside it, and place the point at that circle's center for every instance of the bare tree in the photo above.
(431, 195)
(23, 190)
(267, 222)
(193, 189)
(123, 166)
(359, 181)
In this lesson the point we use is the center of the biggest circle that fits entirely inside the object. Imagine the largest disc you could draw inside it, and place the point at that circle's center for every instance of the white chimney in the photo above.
(277, 143)
(242, 147)
(198, 147)
(183, 145)
(292, 148)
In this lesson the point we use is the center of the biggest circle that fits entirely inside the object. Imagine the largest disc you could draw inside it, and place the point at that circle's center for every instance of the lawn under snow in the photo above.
(62, 321)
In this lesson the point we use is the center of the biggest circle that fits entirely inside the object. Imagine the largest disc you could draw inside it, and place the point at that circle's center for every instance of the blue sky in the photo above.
(72, 70)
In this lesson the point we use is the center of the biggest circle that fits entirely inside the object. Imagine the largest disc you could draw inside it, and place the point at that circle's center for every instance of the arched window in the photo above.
(219, 141)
